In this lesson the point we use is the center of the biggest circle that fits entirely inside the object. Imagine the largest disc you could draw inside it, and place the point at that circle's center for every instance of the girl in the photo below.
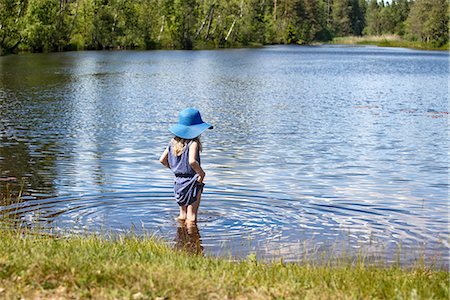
(182, 156)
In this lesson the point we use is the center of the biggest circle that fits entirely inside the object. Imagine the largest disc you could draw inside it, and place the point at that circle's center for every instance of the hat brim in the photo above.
(189, 132)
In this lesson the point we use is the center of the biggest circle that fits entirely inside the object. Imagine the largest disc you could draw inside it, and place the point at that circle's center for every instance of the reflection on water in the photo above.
(23, 170)
(188, 238)
(314, 148)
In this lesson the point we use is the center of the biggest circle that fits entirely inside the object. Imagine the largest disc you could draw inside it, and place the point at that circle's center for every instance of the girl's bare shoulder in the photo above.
(193, 145)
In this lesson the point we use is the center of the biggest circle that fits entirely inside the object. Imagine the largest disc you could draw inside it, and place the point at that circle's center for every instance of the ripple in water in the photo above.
(322, 149)
(237, 223)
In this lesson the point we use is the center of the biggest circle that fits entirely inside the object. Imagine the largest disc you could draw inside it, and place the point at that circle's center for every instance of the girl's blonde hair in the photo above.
(179, 145)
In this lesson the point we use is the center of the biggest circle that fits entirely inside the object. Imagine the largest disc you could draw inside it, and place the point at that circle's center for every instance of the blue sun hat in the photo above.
(190, 124)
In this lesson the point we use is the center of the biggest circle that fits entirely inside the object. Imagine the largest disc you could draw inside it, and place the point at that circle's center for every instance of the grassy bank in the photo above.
(33, 266)
(387, 41)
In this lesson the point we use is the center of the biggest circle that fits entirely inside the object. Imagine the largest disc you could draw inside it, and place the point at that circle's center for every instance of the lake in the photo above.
(315, 150)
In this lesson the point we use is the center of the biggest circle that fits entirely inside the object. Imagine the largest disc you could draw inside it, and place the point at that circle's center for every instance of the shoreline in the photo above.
(380, 41)
(387, 41)
(36, 266)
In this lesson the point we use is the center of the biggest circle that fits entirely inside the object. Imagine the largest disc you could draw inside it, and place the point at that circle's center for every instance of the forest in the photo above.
(52, 25)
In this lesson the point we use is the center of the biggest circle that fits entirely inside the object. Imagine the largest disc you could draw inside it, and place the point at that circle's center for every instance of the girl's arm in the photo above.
(193, 150)
(164, 159)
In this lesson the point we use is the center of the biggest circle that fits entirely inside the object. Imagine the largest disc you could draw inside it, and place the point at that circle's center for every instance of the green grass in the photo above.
(35, 266)
(387, 41)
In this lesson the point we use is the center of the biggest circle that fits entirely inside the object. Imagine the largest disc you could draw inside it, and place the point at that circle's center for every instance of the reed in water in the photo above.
(388, 40)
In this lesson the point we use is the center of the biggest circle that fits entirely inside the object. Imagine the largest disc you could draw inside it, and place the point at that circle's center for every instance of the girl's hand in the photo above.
(201, 177)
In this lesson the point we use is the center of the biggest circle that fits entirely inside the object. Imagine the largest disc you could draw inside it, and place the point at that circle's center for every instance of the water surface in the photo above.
(315, 149)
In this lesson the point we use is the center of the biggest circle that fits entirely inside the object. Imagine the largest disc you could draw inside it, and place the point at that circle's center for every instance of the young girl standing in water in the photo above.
(182, 156)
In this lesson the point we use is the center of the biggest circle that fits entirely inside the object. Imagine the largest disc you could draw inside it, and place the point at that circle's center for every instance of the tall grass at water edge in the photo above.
(37, 266)
(389, 40)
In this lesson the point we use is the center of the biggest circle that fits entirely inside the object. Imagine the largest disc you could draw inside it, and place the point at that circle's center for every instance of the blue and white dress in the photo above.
(186, 186)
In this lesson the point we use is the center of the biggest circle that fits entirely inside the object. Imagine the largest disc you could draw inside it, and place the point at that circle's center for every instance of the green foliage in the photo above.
(428, 21)
(400, 13)
(372, 19)
(341, 17)
(83, 25)
(311, 23)
(49, 25)
(386, 18)
(147, 23)
(357, 16)
(179, 20)
(11, 24)
(41, 19)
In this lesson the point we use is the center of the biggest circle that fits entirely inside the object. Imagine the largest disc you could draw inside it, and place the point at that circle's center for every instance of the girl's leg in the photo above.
(183, 213)
(193, 209)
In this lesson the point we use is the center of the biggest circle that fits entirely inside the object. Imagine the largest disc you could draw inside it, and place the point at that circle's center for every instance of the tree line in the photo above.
(58, 25)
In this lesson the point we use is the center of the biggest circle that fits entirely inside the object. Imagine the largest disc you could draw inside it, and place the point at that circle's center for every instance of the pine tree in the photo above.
(356, 17)
(342, 24)
(428, 21)
(372, 19)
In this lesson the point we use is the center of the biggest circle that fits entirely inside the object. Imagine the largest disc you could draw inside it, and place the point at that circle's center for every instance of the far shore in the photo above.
(394, 41)
(388, 41)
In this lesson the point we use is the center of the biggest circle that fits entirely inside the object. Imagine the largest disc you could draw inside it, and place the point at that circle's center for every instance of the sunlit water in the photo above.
(315, 149)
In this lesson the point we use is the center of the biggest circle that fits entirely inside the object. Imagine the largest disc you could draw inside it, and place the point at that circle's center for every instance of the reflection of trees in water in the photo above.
(28, 114)
(21, 171)
(188, 239)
